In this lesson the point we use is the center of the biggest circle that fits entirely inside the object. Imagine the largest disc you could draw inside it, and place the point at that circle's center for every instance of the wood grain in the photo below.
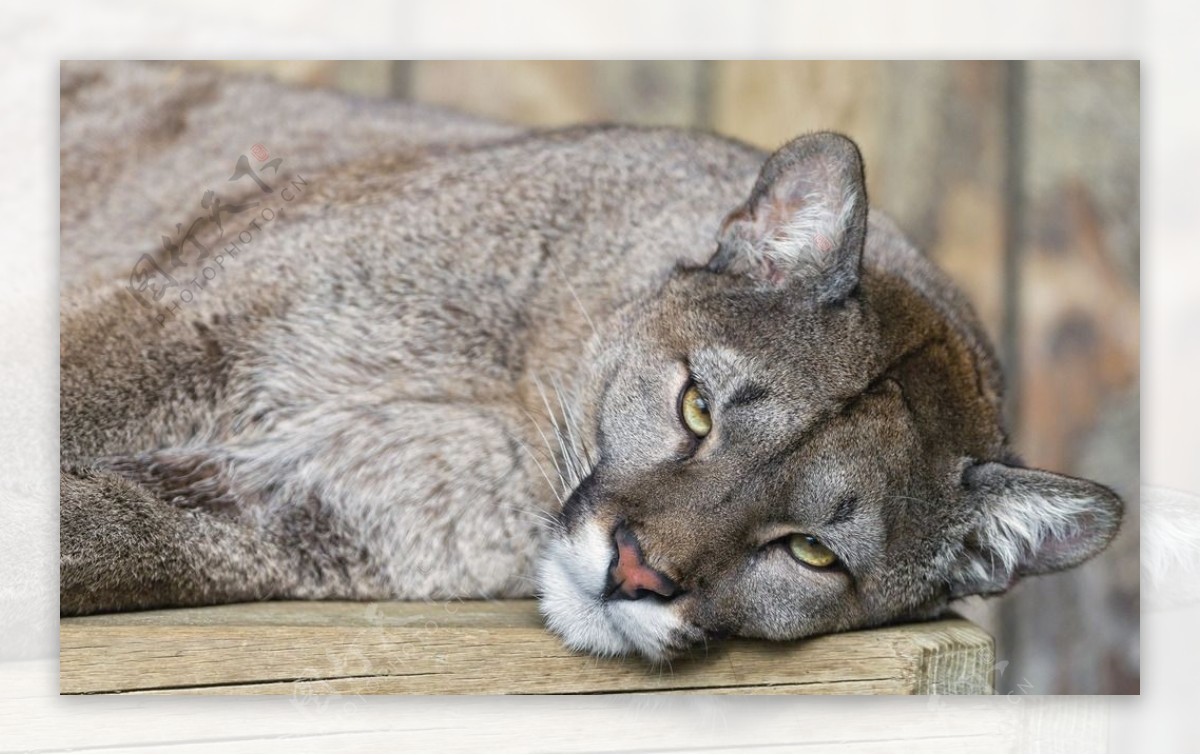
(564, 92)
(482, 647)
(1079, 340)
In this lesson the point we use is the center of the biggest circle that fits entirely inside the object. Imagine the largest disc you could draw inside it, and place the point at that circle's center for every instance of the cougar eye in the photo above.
(693, 411)
(809, 550)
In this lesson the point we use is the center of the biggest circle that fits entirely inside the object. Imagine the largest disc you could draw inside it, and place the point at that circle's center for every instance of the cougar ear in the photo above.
(806, 216)
(1029, 522)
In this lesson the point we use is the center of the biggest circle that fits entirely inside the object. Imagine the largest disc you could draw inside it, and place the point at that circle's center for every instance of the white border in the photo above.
(36, 36)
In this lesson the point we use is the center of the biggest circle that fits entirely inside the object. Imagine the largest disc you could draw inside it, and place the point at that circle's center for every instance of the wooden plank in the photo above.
(768, 102)
(1079, 296)
(481, 647)
(394, 686)
(367, 77)
(1079, 325)
(531, 92)
(940, 171)
(562, 92)
(932, 134)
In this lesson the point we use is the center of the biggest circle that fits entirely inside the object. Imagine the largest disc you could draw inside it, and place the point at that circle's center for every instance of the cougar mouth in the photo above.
(573, 577)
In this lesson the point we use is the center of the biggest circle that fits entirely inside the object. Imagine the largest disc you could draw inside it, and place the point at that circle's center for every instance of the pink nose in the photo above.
(629, 577)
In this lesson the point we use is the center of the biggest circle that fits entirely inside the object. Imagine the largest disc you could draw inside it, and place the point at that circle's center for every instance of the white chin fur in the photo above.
(571, 578)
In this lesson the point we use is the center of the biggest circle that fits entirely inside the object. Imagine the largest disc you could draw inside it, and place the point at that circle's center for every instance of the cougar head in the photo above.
(802, 436)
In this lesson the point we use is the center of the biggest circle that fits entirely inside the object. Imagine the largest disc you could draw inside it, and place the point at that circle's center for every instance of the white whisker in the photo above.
(566, 490)
(528, 450)
(575, 465)
(574, 295)
(557, 433)
(574, 427)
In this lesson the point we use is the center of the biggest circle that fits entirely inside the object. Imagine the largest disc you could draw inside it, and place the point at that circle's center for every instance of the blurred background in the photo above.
(1021, 179)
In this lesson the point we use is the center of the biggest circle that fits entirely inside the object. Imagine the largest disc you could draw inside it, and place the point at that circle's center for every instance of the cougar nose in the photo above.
(629, 577)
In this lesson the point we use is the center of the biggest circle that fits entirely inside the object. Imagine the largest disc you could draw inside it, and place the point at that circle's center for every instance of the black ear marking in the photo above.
(806, 218)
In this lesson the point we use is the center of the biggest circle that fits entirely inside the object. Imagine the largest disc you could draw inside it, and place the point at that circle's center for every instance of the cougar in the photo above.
(675, 387)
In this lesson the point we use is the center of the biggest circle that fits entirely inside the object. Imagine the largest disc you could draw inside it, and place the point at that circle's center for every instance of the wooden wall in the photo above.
(1020, 178)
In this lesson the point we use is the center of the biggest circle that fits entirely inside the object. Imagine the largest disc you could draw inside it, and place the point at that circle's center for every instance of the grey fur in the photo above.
(392, 391)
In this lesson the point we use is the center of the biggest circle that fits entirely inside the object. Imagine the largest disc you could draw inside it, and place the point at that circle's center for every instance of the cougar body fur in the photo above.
(464, 359)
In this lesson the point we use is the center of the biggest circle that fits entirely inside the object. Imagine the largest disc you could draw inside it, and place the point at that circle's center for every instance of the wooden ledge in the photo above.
(482, 647)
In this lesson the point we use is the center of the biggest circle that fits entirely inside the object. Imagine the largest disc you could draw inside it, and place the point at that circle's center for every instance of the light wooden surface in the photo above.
(480, 647)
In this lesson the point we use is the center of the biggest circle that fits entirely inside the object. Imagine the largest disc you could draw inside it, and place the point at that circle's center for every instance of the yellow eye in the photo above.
(809, 550)
(693, 409)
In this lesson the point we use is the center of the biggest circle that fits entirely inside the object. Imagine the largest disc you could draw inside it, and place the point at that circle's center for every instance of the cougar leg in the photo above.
(179, 540)
(123, 548)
